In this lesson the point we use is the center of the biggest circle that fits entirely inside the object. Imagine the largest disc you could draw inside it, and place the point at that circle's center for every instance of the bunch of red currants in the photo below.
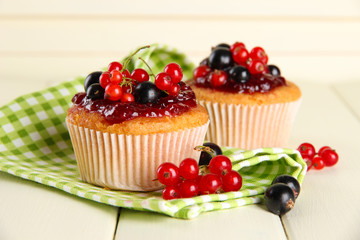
(233, 63)
(187, 181)
(326, 156)
(118, 84)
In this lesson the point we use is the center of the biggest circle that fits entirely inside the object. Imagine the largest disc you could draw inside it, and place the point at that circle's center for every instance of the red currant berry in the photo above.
(140, 75)
(330, 157)
(104, 79)
(174, 89)
(127, 98)
(210, 183)
(114, 66)
(220, 165)
(256, 66)
(258, 53)
(188, 189)
(175, 72)
(201, 71)
(116, 77)
(126, 73)
(168, 174)
(322, 149)
(318, 163)
(218, 78)
(236, 45)
(113, 92)
(240, 55)
(170, 192)
(189, 168)
(232, 181)
(307, 150)
(198, 179)
(163, 81)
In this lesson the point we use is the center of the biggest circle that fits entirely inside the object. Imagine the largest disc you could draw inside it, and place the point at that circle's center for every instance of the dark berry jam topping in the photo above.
(258, 83)
(117, 112)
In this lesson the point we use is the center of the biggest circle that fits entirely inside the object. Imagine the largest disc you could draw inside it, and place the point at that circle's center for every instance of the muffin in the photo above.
(250, 104)
(123, 128)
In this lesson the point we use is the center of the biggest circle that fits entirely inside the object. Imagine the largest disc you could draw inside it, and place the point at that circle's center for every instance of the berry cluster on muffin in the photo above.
(249, 103)
(117, 84)
(125, 125)
(235, 69)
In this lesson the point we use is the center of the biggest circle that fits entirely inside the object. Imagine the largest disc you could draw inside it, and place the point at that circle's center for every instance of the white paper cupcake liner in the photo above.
(250, 127)
(129, 162)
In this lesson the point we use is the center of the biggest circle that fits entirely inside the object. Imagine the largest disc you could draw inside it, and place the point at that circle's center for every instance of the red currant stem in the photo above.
(127, 81)
(203, 170)
(133, 54)
(151, 72)
(205, 149)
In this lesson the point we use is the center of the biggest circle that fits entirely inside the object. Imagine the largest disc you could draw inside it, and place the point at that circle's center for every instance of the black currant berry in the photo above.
(91, 79)
(206, 157)
(146, 92)
(279, 198)
(224, 45)
(274, 70)
(220, 58)
(290, 181)
(239, 74)
(163, 94)
(95, 91)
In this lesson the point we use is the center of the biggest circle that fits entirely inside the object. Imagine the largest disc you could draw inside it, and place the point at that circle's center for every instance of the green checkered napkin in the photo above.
(35, 145)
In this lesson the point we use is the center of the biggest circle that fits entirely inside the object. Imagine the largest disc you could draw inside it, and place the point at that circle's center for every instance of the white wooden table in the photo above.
(328, 206)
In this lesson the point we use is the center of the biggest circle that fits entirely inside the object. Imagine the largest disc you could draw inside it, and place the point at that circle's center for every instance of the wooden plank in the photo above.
(59, 35)
(228, 7)
(349, 93)
(33, 211)
(325, 208)
(250, 222)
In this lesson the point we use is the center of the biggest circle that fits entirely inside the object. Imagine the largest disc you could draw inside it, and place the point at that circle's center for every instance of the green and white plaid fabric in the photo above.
(35, 145)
